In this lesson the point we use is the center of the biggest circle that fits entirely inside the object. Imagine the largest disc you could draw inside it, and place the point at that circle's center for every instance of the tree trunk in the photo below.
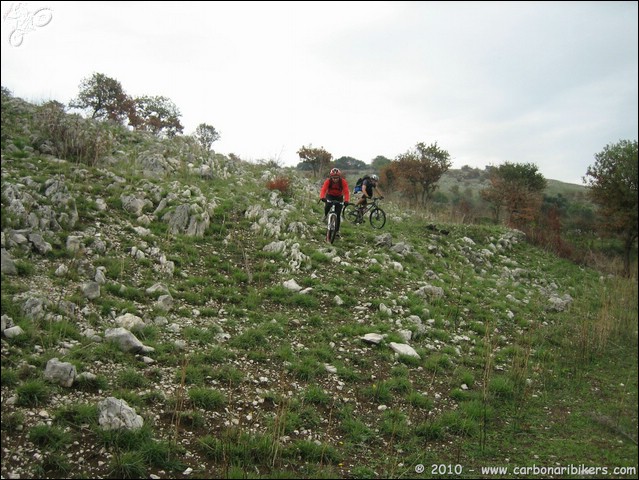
(630, 240)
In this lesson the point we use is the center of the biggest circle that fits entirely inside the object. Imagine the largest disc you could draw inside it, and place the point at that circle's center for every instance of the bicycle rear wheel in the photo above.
(331, 231)
(377, 218)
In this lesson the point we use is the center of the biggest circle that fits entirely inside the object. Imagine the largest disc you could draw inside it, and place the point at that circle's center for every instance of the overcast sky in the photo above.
(549, 83)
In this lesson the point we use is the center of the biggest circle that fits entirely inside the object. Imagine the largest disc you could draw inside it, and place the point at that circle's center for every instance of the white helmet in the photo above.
(375, 177)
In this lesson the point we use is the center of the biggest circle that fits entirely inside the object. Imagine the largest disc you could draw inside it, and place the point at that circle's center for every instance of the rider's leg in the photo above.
(361, 206)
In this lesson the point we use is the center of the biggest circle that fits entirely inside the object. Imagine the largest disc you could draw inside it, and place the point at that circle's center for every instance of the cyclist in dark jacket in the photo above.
(368, 186)
(335, 188)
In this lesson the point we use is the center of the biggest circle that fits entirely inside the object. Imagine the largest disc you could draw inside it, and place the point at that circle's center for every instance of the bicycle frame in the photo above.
(331, 221)
(369, 206)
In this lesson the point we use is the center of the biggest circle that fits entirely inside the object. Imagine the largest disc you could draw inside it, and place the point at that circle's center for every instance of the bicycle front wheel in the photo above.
(377, 218)
(331, 231)
(350, 213)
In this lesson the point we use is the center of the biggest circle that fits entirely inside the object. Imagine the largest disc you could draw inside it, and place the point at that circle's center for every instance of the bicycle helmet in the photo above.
(335, 172)
(375, 177)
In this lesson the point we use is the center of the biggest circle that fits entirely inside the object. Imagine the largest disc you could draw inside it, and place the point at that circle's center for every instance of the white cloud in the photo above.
(548, 83)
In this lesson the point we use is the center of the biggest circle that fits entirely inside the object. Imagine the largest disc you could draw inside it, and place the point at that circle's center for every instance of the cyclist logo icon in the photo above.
(25, 21)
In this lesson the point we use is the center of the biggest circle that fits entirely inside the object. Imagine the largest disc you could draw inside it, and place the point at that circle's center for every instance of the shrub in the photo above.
(283, 184)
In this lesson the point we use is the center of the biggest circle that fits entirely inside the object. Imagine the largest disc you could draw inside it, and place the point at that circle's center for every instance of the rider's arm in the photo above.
(347, 193)
(324, 189)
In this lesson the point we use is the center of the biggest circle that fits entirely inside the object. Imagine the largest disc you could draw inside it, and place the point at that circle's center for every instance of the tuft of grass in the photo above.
(123, 439)
(457, 424)
(91, 384)
(228, 374)
(207, 398)
(127, 465)
(12, 422)
(56, 465)
(9, 377)
(33, 393)
(502, 387)
(234, 447)
(308, 451)
(193, 374)
(438, 363)
(162, 454)
(378, 392)
(420, 401)
(430, 430)
(130, 378)
(459, 394)
(192, 419)
(394, 424)
(316, 395)
(307, 369)
(77, 415)
(49, 437)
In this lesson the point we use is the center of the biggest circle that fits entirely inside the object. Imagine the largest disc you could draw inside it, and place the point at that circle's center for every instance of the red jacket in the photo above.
(336, 189)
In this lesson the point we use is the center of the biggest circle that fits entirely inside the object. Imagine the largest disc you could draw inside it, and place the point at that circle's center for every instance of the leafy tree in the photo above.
(389, 176)
(317, 158)
(469, 172)
(580, 218)
(206, 135)
(518, 188)
(417, 171)
(398, 175)
(613, 187)
(104, 98)
(158, 115)
(304, 167)
(349, 163)
(380, 162)
(493, 195)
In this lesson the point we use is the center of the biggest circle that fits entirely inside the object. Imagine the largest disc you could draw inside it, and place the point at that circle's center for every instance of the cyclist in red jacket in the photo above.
(335, 189)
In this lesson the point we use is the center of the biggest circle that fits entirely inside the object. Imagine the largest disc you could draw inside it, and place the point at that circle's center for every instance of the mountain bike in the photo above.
(356, 214)
(331, 221)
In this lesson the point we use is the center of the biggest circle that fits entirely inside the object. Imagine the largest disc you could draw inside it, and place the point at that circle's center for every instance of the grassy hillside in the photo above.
(523, 359)
(470, 181)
